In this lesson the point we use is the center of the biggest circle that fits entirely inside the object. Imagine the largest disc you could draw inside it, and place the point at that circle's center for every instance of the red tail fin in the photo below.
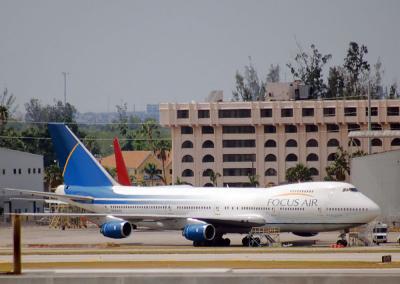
(122, 172)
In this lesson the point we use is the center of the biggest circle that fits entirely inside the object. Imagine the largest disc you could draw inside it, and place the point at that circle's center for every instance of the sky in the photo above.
(145, 52)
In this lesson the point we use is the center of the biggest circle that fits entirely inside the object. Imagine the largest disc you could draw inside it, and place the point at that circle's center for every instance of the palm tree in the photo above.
(338, 169)
(162, 148)
(53, 176)
(299, 173)
(214, 178)
(150, 130)
(151, 171)
(253, 180)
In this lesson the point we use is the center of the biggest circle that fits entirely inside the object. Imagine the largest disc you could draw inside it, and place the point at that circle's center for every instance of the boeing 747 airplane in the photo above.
(204, 215)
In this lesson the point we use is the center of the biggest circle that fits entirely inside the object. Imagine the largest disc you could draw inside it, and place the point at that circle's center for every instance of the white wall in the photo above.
(378, 177)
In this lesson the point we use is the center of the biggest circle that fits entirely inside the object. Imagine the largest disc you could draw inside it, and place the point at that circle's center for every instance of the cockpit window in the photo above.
(352, 189)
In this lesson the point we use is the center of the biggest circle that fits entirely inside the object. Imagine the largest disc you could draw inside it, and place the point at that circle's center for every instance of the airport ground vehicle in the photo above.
(379, 233)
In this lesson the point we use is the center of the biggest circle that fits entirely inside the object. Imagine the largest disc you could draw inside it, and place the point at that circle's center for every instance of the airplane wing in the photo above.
(48, 194)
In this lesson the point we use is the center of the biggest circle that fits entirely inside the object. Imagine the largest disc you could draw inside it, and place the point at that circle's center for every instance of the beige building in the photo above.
(236, 139)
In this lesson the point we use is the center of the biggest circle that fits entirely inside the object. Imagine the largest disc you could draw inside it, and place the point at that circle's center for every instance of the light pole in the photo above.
(65, 86)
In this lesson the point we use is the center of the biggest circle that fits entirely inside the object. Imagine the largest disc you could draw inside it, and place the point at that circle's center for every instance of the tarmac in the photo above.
(77, 247)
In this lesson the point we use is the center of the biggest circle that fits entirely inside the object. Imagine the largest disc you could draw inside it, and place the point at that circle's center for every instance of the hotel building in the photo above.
(266, 138)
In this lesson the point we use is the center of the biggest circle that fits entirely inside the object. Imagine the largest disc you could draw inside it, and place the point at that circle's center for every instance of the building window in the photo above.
(395, 142)
(354, 142)
(187, 144)
(332, 127)
(208, 159)
(266, 112)
(182, 113)
(395, 126)
(203, 113)
(187, 159)
(207, 172)
(291, 158)
(393, 111)
(270, 172)
(29, 171)
(187, 173)
(239, 171)
(4, 171)
(19, 171)
(376, 142)
(207, 130)
(249, 143)
(290, 128)
(291, 143)
(350, 111)
(353, 127)
(270, 158)
(15, 171)
(208, 144)
(269, 128)
(208, 184)
(311, 128)
(374, 111)
(332, 157)
(376, 126)
(314, 172)
(238, 129)
(312, 157)
(329, 111)
(307, 112)
(270, 144)
(239, 157)
(234, 113)
(333, 143)
(287, 112)
(312, 143)
(39, 170)
(34, 170)
(186, 130)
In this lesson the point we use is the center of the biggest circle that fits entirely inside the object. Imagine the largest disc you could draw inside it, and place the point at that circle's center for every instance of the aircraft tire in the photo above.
(245, 241)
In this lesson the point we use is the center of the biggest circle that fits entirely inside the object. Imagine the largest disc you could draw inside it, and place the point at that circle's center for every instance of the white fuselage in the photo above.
(302, 207)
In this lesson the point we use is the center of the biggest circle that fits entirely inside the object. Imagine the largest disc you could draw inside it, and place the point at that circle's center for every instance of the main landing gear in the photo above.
(217, 242)
(342, 240)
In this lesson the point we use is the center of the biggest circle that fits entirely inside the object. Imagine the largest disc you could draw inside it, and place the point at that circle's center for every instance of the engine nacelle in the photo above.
(116, 229)
(199, 232)
(304, 234)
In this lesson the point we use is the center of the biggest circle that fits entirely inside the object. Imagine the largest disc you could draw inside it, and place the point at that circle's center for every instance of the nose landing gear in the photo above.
(342, 239)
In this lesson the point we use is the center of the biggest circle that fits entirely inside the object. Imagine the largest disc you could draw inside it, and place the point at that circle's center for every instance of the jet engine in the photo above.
(116, 229)
(199, 232)
(304, 234)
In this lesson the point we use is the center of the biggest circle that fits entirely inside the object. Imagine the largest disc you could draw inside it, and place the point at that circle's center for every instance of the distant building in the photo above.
(22, 171)
(153, 111)
(136, 162)
(287, 91)
(238, 139)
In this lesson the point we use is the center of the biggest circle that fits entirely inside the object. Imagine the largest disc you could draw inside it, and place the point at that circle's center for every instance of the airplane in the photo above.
(204, 215)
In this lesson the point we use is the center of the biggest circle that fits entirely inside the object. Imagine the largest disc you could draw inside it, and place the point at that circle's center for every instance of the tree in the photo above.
(253, 180)
(152, 172)
(162, 148)
(393, 93)
(91, 144)
(356, 66)
(336, 82)
(308, 67)
(376, 80)
(53, 176)
(299, 173)
(214, 178)
(338, 169)
(273, 74)
(248, 86)
(6, 107)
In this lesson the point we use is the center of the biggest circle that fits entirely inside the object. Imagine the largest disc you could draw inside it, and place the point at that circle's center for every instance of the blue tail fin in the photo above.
(78, 165)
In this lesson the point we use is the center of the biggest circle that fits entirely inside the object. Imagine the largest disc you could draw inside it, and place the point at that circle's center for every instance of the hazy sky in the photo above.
(175, 51)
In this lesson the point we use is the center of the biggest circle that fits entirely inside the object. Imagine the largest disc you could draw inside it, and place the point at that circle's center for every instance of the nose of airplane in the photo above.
(373, 209)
